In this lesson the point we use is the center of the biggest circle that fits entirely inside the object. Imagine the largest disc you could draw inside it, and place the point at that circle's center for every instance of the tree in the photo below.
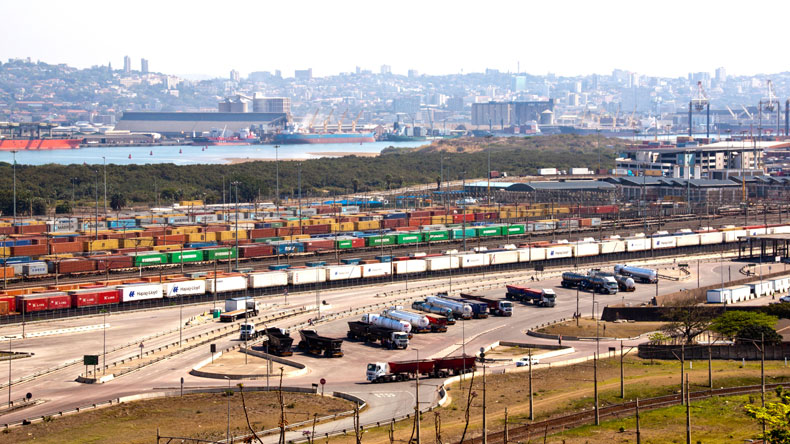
(751, 333)
(355, 184)
(63, 207)
(776, 416)
(687, 320)
(732, 322)
(117, 202)
(780, 310)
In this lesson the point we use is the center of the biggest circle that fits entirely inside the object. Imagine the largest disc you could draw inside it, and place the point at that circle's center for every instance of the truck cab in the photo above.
(610, 284)
(376, 370)
(398, 339)
(548, 298)
(247, 331)
(505, 308)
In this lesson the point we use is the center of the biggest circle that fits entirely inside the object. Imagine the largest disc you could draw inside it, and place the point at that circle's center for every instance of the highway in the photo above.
(59, 392)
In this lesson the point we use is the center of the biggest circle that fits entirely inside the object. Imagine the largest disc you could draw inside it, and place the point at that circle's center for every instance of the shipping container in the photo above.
(211, 254)
(176, 257)
(586, 249)
(407, 238)
(433, 236)
(559, 251)
(473, 260)
(440, 263)
(342, 272)
(146, 259)
(410, 266)
(664, 242)
(376, 241)
(299, 276)
(710, 238)
(531, 254)
(184, 288)
(376, 270)
(226, 284)
(267, 279)
(637, 244)
(137, 292)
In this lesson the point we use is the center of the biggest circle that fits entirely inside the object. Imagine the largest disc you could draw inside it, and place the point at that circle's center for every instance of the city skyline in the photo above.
(435, 38)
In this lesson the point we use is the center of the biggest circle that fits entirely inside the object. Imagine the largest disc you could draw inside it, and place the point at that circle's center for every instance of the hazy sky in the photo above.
(566, 37)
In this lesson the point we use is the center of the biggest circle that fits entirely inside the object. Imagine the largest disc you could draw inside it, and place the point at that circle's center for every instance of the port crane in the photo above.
(354, 122)
(312, 121)
(326, 121)
(340, 121)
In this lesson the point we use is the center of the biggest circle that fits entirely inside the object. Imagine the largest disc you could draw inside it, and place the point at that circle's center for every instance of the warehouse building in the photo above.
(505, 114)
(570, 191)
(653, 189)
(189, 124)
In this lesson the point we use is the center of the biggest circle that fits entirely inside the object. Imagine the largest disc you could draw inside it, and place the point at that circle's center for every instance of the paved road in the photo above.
(384, 400)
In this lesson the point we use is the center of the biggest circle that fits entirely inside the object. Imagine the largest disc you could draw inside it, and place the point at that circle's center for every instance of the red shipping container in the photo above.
(319, 244)
(56, 302)
(255, 250)
(6, 230)
(479, 217)
(25, 229)
(11, 302)
(170, 239)
(95, 296)
(420, 214)
(458, 218)
(65, 247)
(32, 304)
(83, 299)
(357, 242)
(316, 229)
(76, 265)
(419, 221)
(29, 250)
(258, 233)
(393, 223)
(215, 228)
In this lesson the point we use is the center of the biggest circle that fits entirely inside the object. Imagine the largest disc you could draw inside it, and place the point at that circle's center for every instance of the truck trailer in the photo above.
(429, 368)
(644, 275)
(238, 308)
(496, 307)
(460, 309)
(479, 309)
(419, 323)
(312, 342)
(544, 297)
(392, 339)
(279, 341)
(432, 309)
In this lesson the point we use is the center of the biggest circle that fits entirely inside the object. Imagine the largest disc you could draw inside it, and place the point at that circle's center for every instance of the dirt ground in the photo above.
(561, 390)
(196, 416)
(502, 352)
(589, 328)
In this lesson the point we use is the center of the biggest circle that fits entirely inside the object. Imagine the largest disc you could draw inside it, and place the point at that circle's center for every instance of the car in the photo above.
(785, 298)
(523, 362)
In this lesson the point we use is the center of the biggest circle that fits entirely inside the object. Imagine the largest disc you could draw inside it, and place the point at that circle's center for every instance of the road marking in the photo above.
(384, 395)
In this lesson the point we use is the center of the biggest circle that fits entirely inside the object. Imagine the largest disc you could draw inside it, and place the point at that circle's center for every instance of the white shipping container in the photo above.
(184, 288)
(267, 279)
(579, 171)
(547, 171)
(559, 252)
(297, 276)
(341, 272)
(376, 270)
(760, 289)
(442, 263)
(755, 231)
(139, 292)
(719, 296)
(687, 240)
(733, 235)
(612, 246)
(502, 257)
(740, 293)
(410, 266)
(664, 242)
(638, 244)
(712, 237)
(531, 254)
(781, 284)
(231, 283)
(782, 229)
(473, 260)
(586, 249)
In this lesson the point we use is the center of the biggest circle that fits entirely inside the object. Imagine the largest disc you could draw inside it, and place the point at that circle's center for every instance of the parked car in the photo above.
(524, 362)
(785, 298)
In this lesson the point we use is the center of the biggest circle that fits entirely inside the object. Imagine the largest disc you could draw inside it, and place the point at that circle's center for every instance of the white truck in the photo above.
(237, 308)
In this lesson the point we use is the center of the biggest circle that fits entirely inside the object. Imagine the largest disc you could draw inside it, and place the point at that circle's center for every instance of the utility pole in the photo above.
(595, 387)
(578, 313)
(622, 377)
(682, 372)
(277, 178)
(237, 223)
(710, 369)
(485, 422)
(638, 434)
(417, 400)
(531, 403)
(104, 161)
(505, 433)
(688, 413)
(14, 153)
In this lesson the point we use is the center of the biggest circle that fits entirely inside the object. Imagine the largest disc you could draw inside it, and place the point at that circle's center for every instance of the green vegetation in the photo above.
(732, 322)
(44, 187)
(776, 416)
(589, 328)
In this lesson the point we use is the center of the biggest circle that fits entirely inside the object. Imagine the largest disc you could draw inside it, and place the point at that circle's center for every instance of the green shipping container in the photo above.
(433, 236)
(459, 232)
(377, 241)
(219, 254)
(489, 231)
(175, 257)
(267, 239)
(276, 224)
(343, 244)
(142, 260)
(513, 229)
(407, 238)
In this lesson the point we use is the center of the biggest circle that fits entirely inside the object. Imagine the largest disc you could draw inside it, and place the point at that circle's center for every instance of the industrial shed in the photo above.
(185, 124)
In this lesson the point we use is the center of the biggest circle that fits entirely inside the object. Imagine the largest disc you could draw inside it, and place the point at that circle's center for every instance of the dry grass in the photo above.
(589, 328)
(196, 416)
(562, 390)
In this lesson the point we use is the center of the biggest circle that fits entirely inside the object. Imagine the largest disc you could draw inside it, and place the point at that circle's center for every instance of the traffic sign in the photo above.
(322, 381)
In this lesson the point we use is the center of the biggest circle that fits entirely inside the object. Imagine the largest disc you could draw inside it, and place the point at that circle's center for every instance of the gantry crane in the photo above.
(340, 121)
(312, 121)
(354, 122)
(326, 121)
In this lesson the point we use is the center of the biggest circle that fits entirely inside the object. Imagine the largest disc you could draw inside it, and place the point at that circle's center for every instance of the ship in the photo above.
(320, 138)
(217, 137)
(35, 144)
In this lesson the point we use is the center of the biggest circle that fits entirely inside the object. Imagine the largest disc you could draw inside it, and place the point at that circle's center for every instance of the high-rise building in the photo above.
(262, 104)
(519, 83)
(386, 69)
(127, 64)
(303, 74)
(509, 113)
(144, 66)
(234, 75)
(413, 73)
(721, 75)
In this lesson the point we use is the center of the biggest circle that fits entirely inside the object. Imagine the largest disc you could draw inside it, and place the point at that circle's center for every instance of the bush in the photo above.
(752, 333)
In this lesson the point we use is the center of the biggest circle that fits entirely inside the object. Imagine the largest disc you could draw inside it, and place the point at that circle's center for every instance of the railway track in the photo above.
(525, 432)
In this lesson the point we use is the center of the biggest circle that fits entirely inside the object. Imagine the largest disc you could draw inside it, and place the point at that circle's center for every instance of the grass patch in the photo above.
(201, 416)
(590, 328)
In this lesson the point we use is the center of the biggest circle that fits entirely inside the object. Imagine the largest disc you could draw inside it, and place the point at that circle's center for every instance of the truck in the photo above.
(248, 332)
(460, 310)
(430, 368)
(279, 341)
(644, 275)
(544, 297)
(479, 309)
(312, 342)
(419, 323)
(438, 322)
(624, 283)
(392, 324)
(238, 308)
(389, 338)
(496, 307)
(573, 280)
(597, 284)
(428, 308)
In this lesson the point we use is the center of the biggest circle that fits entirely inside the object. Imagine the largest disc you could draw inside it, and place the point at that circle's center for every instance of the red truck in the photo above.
(495, 306)
(429, 368)
(438, 322)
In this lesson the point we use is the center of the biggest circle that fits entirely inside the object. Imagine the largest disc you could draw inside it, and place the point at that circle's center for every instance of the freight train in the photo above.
(288, 277)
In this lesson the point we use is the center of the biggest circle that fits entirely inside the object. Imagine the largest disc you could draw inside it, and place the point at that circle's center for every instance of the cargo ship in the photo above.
(316, 138)
(214, 141)
(39, 144)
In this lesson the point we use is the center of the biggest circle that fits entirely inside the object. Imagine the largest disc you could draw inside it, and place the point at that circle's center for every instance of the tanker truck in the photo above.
(644, 275)
(432, 309)
(405, 370)
(389, 338)
(419, 323)
(392, 324)
(460, 309)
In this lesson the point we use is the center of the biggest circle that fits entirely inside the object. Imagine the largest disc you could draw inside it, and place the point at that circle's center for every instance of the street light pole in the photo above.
(104, 161)
(14, 167)
(277, 178)
(236, 183)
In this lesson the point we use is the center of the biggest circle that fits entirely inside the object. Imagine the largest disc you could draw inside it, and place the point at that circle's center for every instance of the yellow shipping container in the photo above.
(137, 242)
(211, 236)
(346, 226)
(366, 225)
(50, 257)
(196, 237)
(334, 227)
(231, 235)
(5, 251)
(191, 203)
(99, 245)
(168, 247)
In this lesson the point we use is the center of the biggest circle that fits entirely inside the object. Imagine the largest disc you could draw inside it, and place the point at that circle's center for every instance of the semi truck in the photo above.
(495, 306)
(624, 283)
(460, 310)
(392, 324)
(544, 297)
(479, 309)
(392, 339)
(238, 308)
(419, 323)
(597, 284)
(429, 368)
(312, 342)
(644, 275)
(428, 308)
(438, 322)
(248, 332)
(279, 341)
